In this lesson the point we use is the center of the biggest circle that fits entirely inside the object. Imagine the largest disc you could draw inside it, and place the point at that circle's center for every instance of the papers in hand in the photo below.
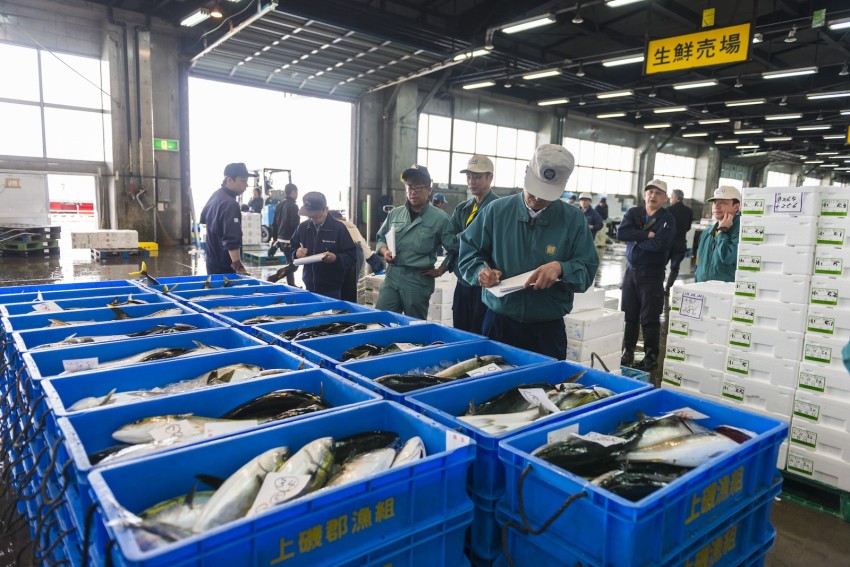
(391, 240)
(510, 285)
(310, 259)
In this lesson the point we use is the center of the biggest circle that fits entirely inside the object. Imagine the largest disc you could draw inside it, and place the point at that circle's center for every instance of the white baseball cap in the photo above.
(587, 196)
(726, 192)
(478, 164)
(658, 184)
(548, 171)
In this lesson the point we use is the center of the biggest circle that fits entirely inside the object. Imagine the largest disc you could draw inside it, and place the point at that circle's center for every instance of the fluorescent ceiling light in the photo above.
(480, 85)
(783, 116)
(618, 3)
(745, 102)
(695, 84)
(834, 94)
(470, 54)
(826, 154)
(830, 165)
(667, 109)
(552, 101)
(845, 112)
(748, 131)
(195, 17)
(542, 74)
(617, 61)
(658, 125)
(748, 147)
(842, 169)
(841, 24)
(695, 134)
(834, 137)
(814, 161)
(789, 73)
(809, 128)
(714, 121)
(615, 94)
(727, 142)
(529, 23)
(841, 157)
(779, 139)
(611, 115)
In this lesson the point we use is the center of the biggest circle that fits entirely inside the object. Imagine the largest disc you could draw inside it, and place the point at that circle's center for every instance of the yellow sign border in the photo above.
(700, 49)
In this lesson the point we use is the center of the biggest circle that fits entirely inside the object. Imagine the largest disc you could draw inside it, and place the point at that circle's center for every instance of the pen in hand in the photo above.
(488, 277)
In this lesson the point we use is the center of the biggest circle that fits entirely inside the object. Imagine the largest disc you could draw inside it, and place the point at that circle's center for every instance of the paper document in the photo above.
(391, 240)
(509, 285)
(309, 259)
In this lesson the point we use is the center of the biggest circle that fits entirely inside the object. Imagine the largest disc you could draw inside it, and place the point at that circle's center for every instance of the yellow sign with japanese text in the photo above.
(712, 47)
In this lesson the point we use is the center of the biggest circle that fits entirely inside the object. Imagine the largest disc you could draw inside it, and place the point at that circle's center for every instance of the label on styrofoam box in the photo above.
(828, 321)
(817, 466)
(813, 438)
(695, 352)
(834, 203)
(804, 436)
(823, 350)
(833, 231)
(602, 346)
(770, 314)
(764, 368)
(775, 258)
(832, 261)
(593, 298)
(712, 331)
(712, 300)
(691, 378)
(767, 341)
(733, 391)
(774, 287)
(823, 410)
(824, 380)
(593, 323)
(79, 364)
(779, 201)
(779, 230)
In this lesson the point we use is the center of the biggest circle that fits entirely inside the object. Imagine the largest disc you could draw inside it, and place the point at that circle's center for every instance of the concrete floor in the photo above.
(806, 538)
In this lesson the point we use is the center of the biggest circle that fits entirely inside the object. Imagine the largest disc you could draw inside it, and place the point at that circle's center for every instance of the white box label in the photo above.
(455, 440)
(675, 302)
(810, 381)
(799, 464)
(562, 434)
(752, 207)
(752, 234)
(749, 263)
(824, 296)
(679, 328)
(740, 338)
(404, 347)
(492, 367)
(743, 314)
(806, 410)
(276, 489)
(676, 353)
(833, 207)
(833, 266)
(788, 203)
(672, 377)
(738, 364)
(817, 353)
(47, 307)
(604, 440)
(831, 236)
(746, 289)
(818, 324)
(804, 437)
(692, 304)
(538, 397)
(733, 391)
(79, 364)
(184, 429)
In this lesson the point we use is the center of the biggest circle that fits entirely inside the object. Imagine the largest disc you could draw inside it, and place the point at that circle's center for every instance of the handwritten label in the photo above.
(676, 352)
(47, 307)
(810, 381)
(538, 397)
(675, 302)
(833, 236)
(804, 437)
(687, 413)
(406, 346)
(79, 364)
(604, 440)
(806, 410)
(672, 377)
(455, 440)
(733, 391)
(743, 314)
(834, 266)
(183, 429)
(692, 304)
(752, 234)
(218, 428)
(834, 207)
(738, 364)
(788, 203)
(800, 464)
(752, 207)
(746, 289)
(740, 338)
(277, 488)
(487, 369)
(749, 263)
(824, 296)
(817, 353)
(562, 434)
(818, 324)
(679, 327)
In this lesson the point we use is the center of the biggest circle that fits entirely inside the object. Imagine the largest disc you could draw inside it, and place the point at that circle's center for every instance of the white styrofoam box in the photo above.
(612, 302)
(779, 230)
(373, 282)
(706, 299)
(780, 201)
(370, 297)
(763, 368)
(830, 322)
(759, 397)
(834, 203)
(439, 311)
(833, 383)
(833, 231)
(774, 287)
(712, 331)
(771, 314)
(832, 261)
(819, 467)
(767, 341)
(814, 438)
(695, 352)
(443, 294)
(603, 346)
(782, 456)
(105, 239)
(822, 410)
(251, 229)
(823, 351)
(690, 378)
(829, 291)
(594, 298)
(594, 323)
(611, 361)
(775, 259)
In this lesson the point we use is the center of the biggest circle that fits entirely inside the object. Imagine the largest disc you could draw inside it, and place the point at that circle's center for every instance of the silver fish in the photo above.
(166, 312)
(363, 466)
(139, 431)
(315, 459)
(181, 512)
(691, 451)
(92, 402)
(413, 450)
(143, 449)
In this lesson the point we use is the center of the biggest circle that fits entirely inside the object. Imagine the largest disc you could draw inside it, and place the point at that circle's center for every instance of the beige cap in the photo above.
(478, 164)
(587, 196)
(548, 171)
(726, 192)
(658, 184)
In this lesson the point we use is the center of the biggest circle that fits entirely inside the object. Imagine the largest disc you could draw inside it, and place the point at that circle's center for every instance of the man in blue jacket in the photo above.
(533, 232)
(223, 217)
(322, 234)
(717, 254)
(649, 232)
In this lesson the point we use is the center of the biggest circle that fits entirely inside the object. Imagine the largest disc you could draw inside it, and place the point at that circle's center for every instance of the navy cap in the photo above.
(314, 203)
(235, 170)
(439, 198)
(416, 169)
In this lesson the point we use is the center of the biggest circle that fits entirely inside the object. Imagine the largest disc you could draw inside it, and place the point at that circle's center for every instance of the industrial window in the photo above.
(811, 181)
(730, 182)
(678, 171)
(778, 179)
(445, 146)
(56, 107)
(601, 168)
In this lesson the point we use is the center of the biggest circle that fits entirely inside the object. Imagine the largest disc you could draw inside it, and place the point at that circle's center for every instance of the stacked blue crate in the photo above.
(199, 293)
(60, 305)
(222, 305)
(307, 310)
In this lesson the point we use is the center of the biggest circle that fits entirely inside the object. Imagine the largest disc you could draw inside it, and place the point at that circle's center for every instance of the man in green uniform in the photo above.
(717, 254)
(537, 234)
(419, 229)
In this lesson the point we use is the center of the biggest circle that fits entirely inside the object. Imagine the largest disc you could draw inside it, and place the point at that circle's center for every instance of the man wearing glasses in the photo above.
(419, 230)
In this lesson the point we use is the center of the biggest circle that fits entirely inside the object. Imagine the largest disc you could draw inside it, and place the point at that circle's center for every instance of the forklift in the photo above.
(267, 179)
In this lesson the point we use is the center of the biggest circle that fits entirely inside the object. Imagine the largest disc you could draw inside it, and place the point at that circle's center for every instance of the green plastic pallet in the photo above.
(816, 496)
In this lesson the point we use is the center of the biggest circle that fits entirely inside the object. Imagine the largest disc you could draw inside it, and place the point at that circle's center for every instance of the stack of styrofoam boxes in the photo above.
(593, 329)
(252, 234)
(695, 355)
(105, 239)
(820, 424)
(440, 306)
(371, 286)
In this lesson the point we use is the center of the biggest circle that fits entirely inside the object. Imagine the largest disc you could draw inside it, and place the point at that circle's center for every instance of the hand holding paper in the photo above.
(391, 241)
(310, 259)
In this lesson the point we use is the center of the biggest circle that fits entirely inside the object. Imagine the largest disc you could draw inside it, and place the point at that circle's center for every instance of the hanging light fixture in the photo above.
(784, 101)
(580, 72)
(705, 109)
(216, 12)
(581, 101)
(652, 93)
(577, 19)
(758, 37)
(638, 114)
(738, 83)
(792, 35)
(844, 72)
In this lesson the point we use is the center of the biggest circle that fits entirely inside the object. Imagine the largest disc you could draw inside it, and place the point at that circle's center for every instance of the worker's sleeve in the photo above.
(665, 231)
(381, 237)
(231, 236)
(448, 239)
(725, 251)
(628, 230)
(476, 248)
(347, 252)
(579, 271)
(296, 242)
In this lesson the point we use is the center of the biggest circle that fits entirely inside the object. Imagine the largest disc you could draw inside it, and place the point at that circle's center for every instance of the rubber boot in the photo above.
(630, 337)
(651, 339)
(671, 279)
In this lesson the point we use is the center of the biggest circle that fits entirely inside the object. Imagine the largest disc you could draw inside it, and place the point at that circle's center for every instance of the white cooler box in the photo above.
(789, 317)
(819, 467)
(823, 351)
(440, 312)
(834, 202)
(612, 361)
(780, 201)
(762, 368)
(759, 397)
(706, 299)
(822, 410)
(373, 282)
(578, 351)
(592, 324)
(813, 438)
(773, 287)
(691, 379)
(832, 261)
(830, 322)
(830, 291)
(695, 353)
(834, 231)
(779, 230)
(707, 330)
(444, 292)
(775, 259)
(767, 341)
(833, 383)
(594, 298)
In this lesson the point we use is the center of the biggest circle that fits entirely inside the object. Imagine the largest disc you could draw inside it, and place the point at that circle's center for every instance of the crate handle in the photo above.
(87, 526)
(593, 356)
(526, 528)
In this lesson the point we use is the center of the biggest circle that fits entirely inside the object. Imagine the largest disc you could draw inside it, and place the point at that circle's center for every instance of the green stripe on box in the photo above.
(832, 214)
(829, 272)
(803, 443)
(750, 269)
(676, 358)
(730, 396)
(739, 344)
(801, 471)
(738, 370)
(812, 388)
(816, 330)
(819, 302)
(813, 359)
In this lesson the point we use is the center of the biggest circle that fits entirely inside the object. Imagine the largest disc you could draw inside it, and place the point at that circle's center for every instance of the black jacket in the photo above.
(643, 252)
(285, 220)
(684, 217)
(223, 218)
(332, 237)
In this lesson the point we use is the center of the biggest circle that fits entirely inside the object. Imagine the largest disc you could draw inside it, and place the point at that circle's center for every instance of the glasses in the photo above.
(416, 188)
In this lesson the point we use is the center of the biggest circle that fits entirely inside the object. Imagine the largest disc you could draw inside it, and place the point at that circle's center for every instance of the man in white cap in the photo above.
(538, 234)
(718, 248)
(467, 309)
(649, 232)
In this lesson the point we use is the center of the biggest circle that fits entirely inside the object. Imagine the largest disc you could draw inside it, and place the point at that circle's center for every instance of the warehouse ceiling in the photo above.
(344, 48)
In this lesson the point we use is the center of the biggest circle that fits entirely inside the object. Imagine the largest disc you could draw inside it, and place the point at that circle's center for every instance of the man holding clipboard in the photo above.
(538, 239)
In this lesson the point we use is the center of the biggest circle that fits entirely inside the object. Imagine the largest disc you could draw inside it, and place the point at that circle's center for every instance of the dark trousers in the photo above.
(548, 338)
(643, 295)
(677, 254)
(468, 309)
(349, 285)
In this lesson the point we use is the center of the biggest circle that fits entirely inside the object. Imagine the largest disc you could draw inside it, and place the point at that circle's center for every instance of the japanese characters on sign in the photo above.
(711, 47)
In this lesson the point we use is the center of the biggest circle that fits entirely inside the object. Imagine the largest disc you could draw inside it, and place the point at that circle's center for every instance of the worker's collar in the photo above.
(233, 194)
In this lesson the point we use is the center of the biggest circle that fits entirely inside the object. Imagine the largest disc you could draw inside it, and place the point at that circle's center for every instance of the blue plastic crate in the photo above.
(215, 280)
(49, 295)
(367, 370)
(239, 302)
(744, 536)
(399, 502)
(35, 288)
(89, 432)
(199, 293)
(99, 315)
(83, 303)
(306, 310)
(641, 375)
(613, 530)
(445, 403)
(271, 332)
(328, 351)
(63, 392)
